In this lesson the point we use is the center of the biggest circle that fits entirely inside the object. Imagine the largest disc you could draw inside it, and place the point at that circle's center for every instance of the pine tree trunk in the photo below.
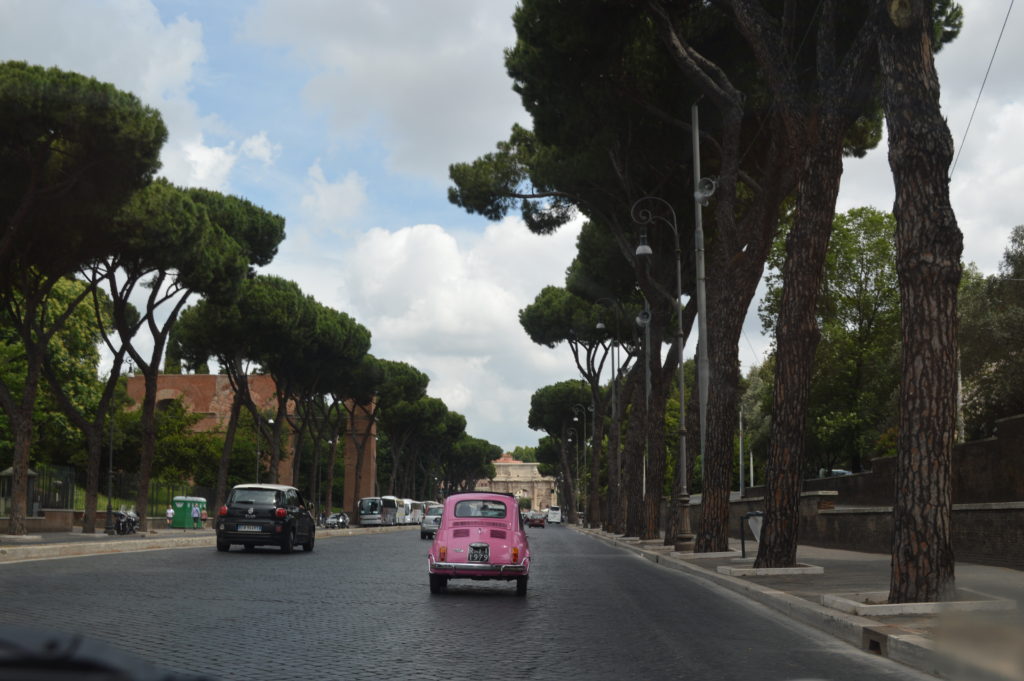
(928, 248)
(796, 339)
(722, 411)
(21, 427)
(594, 496)
(619, 458)
(221, 493)
(148, 446)
(634, 462)
(94, 444)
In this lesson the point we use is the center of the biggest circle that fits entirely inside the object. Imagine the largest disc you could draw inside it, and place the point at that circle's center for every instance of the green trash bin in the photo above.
(183, 511)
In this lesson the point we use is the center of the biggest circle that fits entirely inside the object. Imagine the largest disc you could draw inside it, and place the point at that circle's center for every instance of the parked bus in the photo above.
(393, 511)
(554, 514)
(371, 511)
(414, 511)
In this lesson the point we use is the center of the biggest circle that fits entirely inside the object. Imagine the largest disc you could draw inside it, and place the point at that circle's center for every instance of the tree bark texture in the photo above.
(148, 445)
(94, 443)
(625, 453)
(928, 248)
(221, 491)
(728, 314)
(796, 340)
(594, 495)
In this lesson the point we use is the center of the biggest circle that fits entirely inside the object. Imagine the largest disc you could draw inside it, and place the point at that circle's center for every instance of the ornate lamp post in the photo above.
(572, 438)
(580, 409)
(644, 216)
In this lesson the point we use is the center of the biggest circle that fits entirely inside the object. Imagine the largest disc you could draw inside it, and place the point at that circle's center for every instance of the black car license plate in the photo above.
(249, 528)
(479, 553)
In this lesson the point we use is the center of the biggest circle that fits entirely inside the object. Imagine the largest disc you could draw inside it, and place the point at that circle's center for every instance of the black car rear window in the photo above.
(479, 508)
(254, 496)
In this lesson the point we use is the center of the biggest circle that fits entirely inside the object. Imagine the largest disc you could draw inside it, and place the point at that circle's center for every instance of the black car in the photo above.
(257, 515)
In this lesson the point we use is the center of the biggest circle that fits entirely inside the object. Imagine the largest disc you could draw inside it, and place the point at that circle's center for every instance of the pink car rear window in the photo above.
(480, 508)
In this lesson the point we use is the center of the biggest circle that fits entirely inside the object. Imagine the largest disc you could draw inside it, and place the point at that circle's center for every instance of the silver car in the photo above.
(431, 521)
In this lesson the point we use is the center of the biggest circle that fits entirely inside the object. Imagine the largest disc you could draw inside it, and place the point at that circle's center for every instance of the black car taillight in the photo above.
(281, 513)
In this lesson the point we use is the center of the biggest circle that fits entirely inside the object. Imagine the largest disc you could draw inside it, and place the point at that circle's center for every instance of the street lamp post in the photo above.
(644, 216)
(580, 409)
(572, 437)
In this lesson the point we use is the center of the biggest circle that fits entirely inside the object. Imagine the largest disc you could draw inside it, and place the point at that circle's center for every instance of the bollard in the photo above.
(743, 522)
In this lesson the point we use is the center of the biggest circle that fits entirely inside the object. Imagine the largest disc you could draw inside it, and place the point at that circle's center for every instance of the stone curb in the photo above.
(12, 553)
(899, 645)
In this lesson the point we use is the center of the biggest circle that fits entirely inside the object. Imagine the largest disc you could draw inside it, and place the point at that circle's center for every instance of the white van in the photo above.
(554, 514)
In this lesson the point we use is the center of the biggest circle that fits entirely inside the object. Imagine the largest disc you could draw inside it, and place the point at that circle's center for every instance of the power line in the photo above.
(982, 88)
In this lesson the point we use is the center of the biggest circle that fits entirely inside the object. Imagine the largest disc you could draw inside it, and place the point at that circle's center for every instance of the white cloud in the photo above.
(125, 42)
(428, 78)
(450, 307)
(987, 176)
(208, 166)
(260, 148)
(328, 204)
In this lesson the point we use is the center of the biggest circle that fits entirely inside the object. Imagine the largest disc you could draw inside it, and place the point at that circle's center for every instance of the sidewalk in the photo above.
(980, 637)
(49, 545)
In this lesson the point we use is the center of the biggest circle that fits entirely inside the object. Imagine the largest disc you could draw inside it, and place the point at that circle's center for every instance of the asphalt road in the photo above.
(359, 607)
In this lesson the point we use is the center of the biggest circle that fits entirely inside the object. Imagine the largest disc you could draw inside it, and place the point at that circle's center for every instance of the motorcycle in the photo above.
(126, 522)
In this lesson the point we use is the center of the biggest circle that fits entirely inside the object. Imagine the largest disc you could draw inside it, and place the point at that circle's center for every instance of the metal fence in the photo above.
(48, 487)
(63, 487)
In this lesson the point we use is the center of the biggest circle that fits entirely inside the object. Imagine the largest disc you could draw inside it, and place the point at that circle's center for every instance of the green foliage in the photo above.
(551, 407)
(72, 151)
(73, 354)
(991, 326)
(165, 231)
(521, 453)
(855, 383)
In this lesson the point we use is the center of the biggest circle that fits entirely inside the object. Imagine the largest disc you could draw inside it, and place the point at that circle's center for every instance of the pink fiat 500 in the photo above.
(481, 537)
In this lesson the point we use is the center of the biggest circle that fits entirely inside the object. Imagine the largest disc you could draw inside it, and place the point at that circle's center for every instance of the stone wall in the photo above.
(989, 534)
(854, 512)
(984, 471)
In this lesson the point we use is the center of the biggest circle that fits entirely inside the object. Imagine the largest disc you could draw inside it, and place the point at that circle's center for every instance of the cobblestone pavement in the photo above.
(359, 607)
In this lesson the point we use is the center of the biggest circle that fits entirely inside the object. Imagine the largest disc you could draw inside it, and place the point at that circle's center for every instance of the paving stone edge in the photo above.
(909, 649)
(12, 553)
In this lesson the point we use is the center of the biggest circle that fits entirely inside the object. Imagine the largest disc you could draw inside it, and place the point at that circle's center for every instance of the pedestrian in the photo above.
(170, 515)
(202, 518)
(195, 516)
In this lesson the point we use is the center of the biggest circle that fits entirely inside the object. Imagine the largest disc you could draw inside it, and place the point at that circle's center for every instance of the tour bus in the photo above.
(414, 511)
(554, 514)
(371, 511)
(393, 511)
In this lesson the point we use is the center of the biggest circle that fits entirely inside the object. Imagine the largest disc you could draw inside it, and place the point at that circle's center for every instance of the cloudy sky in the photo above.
(343, 115)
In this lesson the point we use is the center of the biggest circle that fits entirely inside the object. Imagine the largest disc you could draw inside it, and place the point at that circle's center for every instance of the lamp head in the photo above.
(643, 248)
(706, 187)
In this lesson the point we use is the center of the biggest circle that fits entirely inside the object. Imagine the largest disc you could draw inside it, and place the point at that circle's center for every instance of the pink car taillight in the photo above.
(515, 554)
(442, 553)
